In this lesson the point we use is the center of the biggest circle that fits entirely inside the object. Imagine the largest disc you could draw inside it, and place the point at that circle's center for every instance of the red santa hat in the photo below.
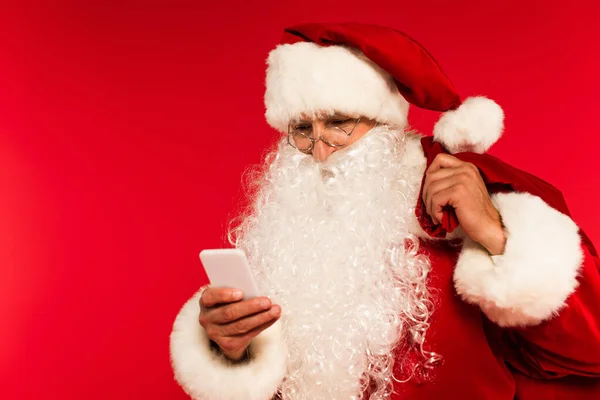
(376, 72)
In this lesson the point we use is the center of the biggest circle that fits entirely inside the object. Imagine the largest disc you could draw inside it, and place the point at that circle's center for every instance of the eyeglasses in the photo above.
(336, 134)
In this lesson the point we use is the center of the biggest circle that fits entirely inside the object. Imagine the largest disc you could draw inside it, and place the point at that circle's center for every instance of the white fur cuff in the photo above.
(536, 274)
(203, 374)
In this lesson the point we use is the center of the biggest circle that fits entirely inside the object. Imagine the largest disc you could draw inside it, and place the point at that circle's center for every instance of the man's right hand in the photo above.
(232, 323)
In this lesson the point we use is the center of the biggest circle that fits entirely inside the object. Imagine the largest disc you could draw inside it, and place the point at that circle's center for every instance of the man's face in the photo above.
(349, 128)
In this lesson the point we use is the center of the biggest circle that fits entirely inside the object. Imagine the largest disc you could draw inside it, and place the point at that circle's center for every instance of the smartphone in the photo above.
(229, 268)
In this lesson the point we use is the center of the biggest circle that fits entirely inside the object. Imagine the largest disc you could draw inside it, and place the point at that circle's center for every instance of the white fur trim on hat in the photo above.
(475, 126)
(204, 374)
(305, 78)
(538, 271)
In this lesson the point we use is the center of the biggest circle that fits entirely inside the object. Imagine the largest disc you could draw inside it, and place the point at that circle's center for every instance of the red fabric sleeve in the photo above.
(568, 344)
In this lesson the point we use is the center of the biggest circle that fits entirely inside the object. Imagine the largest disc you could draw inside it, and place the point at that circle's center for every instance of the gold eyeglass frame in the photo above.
(313, 141)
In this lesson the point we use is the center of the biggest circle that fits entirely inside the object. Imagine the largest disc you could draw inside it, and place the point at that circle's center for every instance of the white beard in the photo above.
(330, 244)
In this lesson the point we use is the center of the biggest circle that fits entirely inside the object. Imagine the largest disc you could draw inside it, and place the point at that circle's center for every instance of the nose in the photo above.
(320, 150)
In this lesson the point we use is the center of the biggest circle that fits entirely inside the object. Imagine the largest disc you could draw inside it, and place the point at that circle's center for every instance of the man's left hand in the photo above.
(450, 181)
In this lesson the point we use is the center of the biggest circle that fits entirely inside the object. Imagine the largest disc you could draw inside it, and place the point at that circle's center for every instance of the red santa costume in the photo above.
(376, 301)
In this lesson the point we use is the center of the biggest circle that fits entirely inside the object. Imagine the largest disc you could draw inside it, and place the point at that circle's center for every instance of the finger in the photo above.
(247, 324)
(466, 170)
(440, 162)
(231, 343)
(443, 160)
(434, 176)
(443, 184)
(213, 296)
(435, 218)
(449, 196)
(241, 309)
(256, 331)
(438, 186)
(428, 209)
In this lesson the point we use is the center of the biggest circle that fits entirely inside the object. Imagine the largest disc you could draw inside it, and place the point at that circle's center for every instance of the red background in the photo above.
(125, 127)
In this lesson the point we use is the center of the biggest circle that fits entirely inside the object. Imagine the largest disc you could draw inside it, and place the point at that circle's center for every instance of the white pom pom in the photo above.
(475, 126)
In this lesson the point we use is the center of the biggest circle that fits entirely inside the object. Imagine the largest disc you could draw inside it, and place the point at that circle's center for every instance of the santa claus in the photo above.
(392, 266)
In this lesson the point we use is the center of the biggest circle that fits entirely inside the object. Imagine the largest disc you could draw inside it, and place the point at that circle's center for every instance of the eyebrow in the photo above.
(338, 116)
(327, 118)
(302, 122)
